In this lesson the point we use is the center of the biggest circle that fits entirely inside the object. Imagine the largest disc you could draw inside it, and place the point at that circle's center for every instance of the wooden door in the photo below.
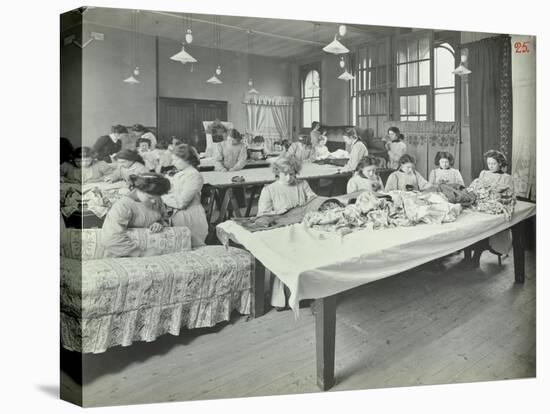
(183, 117)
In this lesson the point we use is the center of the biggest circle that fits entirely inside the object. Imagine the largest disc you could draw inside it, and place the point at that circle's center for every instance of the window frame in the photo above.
(304, 71)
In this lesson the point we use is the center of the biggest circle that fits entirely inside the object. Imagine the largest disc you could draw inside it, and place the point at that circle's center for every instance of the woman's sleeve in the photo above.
(116, 174)
(308, 191)
(459, 179)
(184, 192)
(217, 154)
(391, 184)
(241, 160)
(432, 177)
(114, 236)
(265, 202)
(422, 183)
(292, 149)
(351, 187)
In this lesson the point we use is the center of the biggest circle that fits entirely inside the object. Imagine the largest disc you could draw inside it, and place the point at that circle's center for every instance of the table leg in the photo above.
(211, 203)
(518, 243)
(325, 339)
(253, 193)
(258, 294)
(225, 204)
(235, 206)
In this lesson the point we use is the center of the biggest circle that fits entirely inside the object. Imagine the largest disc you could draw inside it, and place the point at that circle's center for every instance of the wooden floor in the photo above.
(419, 327)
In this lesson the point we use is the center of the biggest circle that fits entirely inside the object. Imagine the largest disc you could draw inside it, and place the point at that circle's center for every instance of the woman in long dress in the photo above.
(141, 208)
(282, 195)
(185, 195)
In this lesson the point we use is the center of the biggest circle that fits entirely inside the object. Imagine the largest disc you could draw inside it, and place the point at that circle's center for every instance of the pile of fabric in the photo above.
(491, 201)
(399, 208)
(75, 199)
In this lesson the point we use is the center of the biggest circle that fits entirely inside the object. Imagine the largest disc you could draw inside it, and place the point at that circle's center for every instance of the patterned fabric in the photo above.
(86, 244)
(111, 302)
(505, 98)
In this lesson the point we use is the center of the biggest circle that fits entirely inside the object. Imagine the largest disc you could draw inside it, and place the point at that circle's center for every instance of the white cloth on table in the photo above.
(185, 197)
(314, 264)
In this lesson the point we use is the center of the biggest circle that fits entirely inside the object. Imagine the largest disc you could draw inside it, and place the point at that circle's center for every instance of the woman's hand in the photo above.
(156, 228)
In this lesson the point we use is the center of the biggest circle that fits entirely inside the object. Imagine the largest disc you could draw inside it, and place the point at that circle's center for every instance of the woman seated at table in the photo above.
(320, 150)
(150, 156)
(128, 162)
(406, 178)
(85, 169)
(302, 149)
(141, 132)
(445, 173)
(231, 154)
(285, 193)
(357, 150)
(365, 177)
(142, 208)
(185, 195)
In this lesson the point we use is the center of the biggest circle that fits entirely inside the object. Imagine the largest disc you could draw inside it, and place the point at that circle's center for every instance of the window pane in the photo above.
(413, 118)
(422, 118)
(306, 119)
(445, 105)
(404, 118)
(362, 57)
(380, 131)
(315, 111)
(403, 105)
(412, 74)
(402, 76)
(412, 47)
(381, 76)
(402, 51)
(444, 65)
(424, 73)
(382, 54)
(362, 122)
(413, 104)
(422, 104)
(424, 48)
(311, 84)
(353, 110)
(365, 84)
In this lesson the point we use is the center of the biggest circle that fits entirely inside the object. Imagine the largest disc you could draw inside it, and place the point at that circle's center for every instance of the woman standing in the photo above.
(357, 150)
(315, 132)
(396, 147)
(185, 196)
(142, 208)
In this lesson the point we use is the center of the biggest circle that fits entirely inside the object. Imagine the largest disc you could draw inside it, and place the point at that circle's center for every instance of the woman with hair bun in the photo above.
(128, 163)
(396, 147)
(141, 208)
(231, 154)
(86, 169)
(185, 196)
(495, 176)
(406, 178)
(357, 150)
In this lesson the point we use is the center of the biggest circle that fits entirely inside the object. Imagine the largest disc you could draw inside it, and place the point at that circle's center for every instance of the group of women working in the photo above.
(156, 200)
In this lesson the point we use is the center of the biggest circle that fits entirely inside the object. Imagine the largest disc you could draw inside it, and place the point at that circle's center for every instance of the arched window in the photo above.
(310, 96)
(444, 85)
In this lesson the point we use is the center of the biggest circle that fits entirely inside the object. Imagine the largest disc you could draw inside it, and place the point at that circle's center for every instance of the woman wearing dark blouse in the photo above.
(108, 145)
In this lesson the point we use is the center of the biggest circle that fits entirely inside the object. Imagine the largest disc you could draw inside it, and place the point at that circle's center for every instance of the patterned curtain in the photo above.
(490, 98)
(524, 115)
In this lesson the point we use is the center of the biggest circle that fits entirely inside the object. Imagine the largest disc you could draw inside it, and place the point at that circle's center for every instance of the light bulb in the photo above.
(342, 30)
(219, 70)
(189, 36)
(136, 71)
(342, 63)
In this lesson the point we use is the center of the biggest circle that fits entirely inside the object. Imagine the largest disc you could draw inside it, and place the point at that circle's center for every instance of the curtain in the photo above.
(490, 98)
(269, 116)
(524, 116)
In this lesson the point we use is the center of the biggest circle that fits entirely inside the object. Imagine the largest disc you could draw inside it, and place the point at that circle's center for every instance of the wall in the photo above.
(106, 99)
(271, 77)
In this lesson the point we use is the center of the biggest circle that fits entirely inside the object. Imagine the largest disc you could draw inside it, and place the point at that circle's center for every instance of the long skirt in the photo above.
(194, 218)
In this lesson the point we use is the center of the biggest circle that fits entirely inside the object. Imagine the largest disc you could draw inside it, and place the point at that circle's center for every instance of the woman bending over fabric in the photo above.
(141, 208)
(86, 169)
(406, 178)
(128, 163)
(185, 195)
(277, 198)
(231, 154)
(302, 149)
(357, 150)
(445, 173)
(365, 177)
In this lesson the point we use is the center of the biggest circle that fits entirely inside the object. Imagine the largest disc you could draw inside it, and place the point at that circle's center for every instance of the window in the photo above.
(371, 88)
(413, 108)
(444, 87)
(310, 96)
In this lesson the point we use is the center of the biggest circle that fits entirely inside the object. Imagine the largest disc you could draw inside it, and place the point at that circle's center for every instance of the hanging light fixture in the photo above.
(461, 69)
(252, 90)
(342, 30)
(182, 56)
(189, 32)
(346, 76)
(214, 80)
(134, 77)
(335, 47)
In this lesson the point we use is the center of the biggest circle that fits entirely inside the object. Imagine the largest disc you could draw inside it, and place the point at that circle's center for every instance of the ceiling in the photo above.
(275, 38)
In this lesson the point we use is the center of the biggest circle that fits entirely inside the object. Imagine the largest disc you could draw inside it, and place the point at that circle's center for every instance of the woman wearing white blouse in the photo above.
(357, 151)
(445, 173)
(185, 195)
